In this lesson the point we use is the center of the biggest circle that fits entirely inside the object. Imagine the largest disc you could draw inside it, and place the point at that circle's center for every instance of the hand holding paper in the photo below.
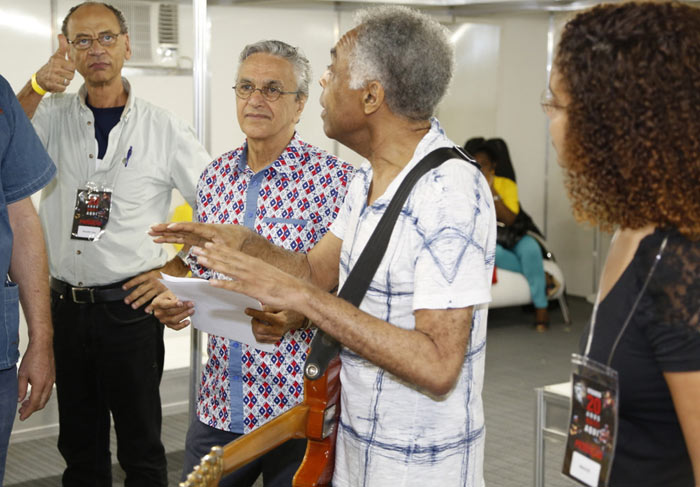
(218, 311)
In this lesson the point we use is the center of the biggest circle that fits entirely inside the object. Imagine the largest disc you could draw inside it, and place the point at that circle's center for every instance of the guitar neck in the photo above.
(248, 447)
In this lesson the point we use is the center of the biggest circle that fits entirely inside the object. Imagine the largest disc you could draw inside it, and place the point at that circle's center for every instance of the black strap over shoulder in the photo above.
(324, 347)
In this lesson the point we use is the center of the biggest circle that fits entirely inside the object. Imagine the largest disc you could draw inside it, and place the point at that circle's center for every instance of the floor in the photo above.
(518, 359)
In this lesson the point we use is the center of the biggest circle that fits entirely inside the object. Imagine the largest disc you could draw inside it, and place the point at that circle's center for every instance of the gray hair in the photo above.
(123, 28)
(301, 65)
(409, 53)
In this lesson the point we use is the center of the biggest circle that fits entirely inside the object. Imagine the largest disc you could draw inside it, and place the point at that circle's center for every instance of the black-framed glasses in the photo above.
(269, 92)
(549, 104)
(105, 39)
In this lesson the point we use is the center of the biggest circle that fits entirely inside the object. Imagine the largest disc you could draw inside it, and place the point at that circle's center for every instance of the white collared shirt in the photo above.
(165, 154)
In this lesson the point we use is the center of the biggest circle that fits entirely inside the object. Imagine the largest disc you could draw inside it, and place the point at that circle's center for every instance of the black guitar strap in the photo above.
(324, 347)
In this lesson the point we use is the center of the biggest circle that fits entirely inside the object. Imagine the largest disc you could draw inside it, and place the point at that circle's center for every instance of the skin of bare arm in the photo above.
(430, 356)
(29, 269)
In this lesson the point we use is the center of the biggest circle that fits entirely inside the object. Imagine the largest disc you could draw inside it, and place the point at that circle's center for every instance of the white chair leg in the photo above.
(564, 308)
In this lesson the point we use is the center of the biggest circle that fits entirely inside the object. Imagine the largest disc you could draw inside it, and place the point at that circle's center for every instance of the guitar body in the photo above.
(322, 396)
(315, 419)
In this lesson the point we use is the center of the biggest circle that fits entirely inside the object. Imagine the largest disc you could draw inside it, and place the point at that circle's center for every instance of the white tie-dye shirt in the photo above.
(440, 256)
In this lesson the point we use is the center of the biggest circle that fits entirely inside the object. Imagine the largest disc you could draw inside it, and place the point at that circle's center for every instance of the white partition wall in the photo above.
(470, 107)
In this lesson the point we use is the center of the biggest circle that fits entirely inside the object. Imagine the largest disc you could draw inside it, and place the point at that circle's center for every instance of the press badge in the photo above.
(92, 206)
(590, 445)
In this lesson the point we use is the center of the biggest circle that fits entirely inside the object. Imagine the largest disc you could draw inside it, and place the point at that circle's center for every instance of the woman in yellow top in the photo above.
(522, 254)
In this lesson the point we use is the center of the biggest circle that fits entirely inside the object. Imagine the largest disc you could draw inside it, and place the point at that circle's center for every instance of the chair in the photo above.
(512, 289)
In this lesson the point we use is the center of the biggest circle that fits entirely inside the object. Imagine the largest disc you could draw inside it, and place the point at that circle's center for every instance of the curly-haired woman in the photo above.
(624, 107)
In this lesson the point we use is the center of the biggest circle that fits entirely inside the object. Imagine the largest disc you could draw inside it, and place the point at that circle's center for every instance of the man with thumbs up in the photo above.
(118, 159)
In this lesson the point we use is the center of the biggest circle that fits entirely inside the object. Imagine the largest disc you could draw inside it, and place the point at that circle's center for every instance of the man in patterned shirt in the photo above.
(289, 192)
(413, 356)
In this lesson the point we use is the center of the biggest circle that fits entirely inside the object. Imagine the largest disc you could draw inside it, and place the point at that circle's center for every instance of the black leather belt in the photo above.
(89, 295)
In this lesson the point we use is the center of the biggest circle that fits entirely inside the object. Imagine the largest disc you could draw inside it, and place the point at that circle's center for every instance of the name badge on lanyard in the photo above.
(93, 204)
(590, 445)
(594, 417)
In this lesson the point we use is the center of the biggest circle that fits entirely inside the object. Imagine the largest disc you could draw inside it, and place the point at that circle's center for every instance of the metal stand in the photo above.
(553, 395)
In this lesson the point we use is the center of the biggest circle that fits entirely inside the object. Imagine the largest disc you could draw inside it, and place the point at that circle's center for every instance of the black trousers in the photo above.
(277, 466)
(109, 359)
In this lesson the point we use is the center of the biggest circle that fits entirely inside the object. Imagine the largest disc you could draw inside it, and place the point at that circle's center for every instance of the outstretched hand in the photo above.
(58, 72)
(251, 276)
(199, 234)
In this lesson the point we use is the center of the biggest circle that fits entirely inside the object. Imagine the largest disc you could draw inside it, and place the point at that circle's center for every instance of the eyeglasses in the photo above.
(106, 39)
(549, 104)
(269, 92)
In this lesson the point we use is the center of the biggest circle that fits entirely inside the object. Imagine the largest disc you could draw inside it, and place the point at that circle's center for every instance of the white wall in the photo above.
(507, 106)
(26, 24)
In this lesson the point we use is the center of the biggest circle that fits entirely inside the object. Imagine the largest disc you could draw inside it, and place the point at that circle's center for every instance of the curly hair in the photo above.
(409, 53)
(632, 148)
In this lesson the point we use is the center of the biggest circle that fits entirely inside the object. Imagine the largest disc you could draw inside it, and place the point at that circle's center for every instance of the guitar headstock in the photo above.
(208, 472)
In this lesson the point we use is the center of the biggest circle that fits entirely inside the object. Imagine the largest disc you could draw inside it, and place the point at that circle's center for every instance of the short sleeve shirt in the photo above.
(663, 335)
(440, 256)
(25, 168)
(292, 203)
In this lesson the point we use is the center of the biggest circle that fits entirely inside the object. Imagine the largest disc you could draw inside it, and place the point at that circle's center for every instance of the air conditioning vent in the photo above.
(167, 24)
(153, 31)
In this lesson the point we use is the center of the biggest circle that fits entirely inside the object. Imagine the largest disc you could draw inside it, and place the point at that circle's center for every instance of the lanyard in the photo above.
(112, 168)
(631, 313)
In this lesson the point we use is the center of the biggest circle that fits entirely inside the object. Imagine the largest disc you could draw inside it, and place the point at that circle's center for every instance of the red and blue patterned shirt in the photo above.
(292, 203)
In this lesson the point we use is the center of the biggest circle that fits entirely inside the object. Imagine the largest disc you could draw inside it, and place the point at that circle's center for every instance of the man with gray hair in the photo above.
(288, 192)
(413, 355)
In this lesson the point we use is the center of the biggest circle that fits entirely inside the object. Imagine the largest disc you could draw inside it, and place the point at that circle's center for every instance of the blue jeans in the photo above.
(277, 466)
(8, 409)
(526, 258)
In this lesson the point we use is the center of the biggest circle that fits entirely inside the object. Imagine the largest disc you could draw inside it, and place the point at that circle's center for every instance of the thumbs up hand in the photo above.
(57, 73)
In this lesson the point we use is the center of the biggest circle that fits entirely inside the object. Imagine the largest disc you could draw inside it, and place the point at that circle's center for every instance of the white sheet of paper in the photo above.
(217, 311)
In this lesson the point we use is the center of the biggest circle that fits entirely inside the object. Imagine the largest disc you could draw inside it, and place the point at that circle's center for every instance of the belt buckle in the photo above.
(77, 300)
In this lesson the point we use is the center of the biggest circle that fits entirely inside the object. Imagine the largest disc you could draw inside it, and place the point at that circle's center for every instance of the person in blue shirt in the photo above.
(25, 168)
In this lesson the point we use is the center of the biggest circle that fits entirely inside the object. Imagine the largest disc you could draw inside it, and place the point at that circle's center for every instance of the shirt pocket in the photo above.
(290, 233)
(9, 328)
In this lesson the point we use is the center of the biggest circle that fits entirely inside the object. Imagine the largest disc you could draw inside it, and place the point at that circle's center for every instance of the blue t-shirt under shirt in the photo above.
(105, 120)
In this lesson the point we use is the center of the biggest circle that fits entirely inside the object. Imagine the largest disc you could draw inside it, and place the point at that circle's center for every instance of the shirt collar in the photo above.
(82, 95)
(288, 161)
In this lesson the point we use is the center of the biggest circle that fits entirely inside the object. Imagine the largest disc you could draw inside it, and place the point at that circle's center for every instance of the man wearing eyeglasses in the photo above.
(288, 191)
(118, 160)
